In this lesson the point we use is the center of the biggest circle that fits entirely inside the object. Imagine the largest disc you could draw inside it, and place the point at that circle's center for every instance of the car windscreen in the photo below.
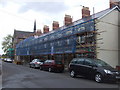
(101, 63)
(37, 60)
(8, 59)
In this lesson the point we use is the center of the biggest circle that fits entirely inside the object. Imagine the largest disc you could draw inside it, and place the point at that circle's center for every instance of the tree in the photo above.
(7, 43)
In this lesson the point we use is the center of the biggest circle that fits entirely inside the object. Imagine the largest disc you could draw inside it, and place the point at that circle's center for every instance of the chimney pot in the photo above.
(85, 12)
(38, 32)
(67, 20)
(55, 25)
(45, 29)
(114, 3)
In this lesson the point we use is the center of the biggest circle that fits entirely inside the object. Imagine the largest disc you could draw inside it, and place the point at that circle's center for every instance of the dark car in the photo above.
(94, 68)
(35, 63)
(52, 65)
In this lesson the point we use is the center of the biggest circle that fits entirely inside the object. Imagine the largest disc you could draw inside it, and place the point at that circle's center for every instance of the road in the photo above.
(19, 76)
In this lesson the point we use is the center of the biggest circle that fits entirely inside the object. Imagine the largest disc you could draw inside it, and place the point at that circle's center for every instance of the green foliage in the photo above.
(7, 43)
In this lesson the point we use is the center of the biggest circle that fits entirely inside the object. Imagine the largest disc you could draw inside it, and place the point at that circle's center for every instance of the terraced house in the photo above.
(93, 36)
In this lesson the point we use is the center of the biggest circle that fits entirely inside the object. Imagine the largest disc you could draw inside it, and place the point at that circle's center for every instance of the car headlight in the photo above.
(107, 71)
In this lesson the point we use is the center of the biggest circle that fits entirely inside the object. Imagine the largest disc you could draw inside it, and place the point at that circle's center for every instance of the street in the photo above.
(19, 76)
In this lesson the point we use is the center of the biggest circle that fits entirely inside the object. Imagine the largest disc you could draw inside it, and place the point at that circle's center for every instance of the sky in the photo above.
(20, 14)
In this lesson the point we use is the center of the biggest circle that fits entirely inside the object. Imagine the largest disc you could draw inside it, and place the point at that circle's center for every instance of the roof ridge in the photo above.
(110, 11)
(23, 31)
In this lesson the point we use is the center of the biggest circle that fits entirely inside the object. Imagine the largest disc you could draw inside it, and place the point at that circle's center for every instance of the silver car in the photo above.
(9, 60)
(35, 63)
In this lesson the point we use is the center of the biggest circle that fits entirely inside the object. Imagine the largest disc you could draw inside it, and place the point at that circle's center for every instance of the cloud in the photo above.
(20, 14)
(46, 7)
(3, 3)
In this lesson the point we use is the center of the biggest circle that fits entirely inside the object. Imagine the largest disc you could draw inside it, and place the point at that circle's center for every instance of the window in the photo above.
(69, 32)
(83, 39)
(68, 41)
(36, 60)
(51, 44)
(40, 40)
(82, 27)
(78, 28)
(80, 61)
(78, 39)
(45, 39)
(45, 45)
(74, 61)
(88, 62)
(52, 37)
(46, 62)
(33, 61)
(59, 43)
(59, 35)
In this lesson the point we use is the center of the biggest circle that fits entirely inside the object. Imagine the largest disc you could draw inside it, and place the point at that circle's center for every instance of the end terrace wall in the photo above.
(107, 38)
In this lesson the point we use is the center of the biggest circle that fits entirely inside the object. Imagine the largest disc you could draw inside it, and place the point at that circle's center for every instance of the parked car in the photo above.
(8, 60)
(5, 59)
(52, 65)
(35, 63)
(94, 68)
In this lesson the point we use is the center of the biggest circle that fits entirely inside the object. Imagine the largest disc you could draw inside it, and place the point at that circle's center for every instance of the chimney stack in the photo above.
(38, 32)
(55, 25)
(85, 12)
(114, 3)
(45, 29)
(67, 20)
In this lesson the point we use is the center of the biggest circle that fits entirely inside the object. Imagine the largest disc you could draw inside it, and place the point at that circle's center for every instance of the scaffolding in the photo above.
(76, 40)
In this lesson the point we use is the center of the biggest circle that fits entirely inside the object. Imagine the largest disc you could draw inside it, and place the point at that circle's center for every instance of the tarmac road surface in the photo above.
(19, 76)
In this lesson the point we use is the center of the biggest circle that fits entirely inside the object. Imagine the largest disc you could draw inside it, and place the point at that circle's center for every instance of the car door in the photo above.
(46, 65)
(80, 66)
(88, 67)
(73, 66)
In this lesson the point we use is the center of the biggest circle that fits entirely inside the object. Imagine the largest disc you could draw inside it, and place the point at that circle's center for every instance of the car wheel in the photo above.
(72, 74)
(98, 77)
(50, 69)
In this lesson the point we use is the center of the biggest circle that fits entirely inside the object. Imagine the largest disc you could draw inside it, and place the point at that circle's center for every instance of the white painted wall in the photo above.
(108, 45)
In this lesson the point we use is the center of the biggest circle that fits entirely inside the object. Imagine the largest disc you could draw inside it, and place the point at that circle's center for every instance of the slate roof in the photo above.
(94, 16)
(97, 15)
(22, 34)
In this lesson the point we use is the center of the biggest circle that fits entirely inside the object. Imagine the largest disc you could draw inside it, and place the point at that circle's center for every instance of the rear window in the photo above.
(58, 62)
(36, 60)
(49, 61)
